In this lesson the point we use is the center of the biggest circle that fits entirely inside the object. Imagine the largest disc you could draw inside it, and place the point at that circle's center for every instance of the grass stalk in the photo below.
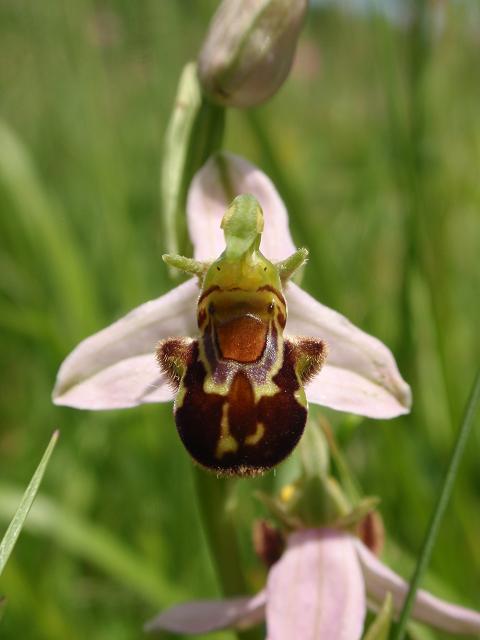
(442, 501)
(16, 525)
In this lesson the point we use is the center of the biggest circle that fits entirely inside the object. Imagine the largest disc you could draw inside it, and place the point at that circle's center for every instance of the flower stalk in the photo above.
(194, 132)
(213, 497)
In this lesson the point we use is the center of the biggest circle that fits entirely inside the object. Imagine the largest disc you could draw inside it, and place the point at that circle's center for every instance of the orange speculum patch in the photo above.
(240, 320)
(241, 339)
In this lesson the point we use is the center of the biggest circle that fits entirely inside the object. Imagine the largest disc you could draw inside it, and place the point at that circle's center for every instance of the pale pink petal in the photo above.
(427, 608)
(203, 616)
(116, 367)
(360, 375)
(214, 186)
(127, 383)
(346, 390)
(316, 589)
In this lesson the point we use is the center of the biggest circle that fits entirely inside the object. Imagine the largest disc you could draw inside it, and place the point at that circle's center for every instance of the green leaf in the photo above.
(16, 525)
(380, 627)
(2, 607)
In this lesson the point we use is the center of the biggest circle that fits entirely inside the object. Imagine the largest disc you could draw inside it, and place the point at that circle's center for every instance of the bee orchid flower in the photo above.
(224, 344)
(320, 588)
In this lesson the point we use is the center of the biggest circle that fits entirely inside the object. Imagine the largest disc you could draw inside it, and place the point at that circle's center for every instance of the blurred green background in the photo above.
(374, 143)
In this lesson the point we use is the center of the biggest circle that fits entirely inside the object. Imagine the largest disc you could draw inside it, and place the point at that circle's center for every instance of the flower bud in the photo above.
(268, 542)
(249, 49)
(372, 532)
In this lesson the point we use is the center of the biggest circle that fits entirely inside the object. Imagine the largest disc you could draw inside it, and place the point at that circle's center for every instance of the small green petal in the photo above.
(188, 265)
(358, 513)
(286, 268)
(243, 226)
(242, 264)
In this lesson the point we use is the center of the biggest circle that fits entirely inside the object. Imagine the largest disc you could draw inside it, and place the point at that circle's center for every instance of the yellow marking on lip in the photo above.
(267, 389)
(226, 443)
(254, 438)
(180, 397)
(300, 396)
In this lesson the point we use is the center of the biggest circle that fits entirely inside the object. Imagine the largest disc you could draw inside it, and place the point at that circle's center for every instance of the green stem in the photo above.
(441, 505)
(194, 132)
(206, 138)
(213, 496)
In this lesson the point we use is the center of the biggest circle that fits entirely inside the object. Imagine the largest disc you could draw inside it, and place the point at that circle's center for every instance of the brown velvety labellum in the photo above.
(233, 434)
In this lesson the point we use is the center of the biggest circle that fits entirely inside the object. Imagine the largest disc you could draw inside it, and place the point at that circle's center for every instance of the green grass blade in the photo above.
(16, 525)
(441, 505)
(380, 627)
(94, 544)
(48, 231)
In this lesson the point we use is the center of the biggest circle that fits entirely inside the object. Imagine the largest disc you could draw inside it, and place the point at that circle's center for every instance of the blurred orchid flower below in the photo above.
(116, 367)
(320, 588)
